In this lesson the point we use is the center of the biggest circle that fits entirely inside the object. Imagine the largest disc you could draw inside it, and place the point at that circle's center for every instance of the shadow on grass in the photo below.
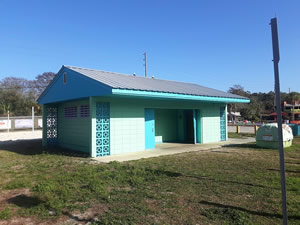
(252, 212)
(296, 163)
(167, 173)
(24, 201)
(34, 147)
(248, 145)
(287, 171)
(176, 174)
(230, 182)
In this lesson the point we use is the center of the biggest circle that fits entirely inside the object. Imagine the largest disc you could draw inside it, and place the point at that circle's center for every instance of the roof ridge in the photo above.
(176, 83)
(68, 66)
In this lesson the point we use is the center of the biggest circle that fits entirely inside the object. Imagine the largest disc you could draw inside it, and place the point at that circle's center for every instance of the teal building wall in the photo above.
(127, 124)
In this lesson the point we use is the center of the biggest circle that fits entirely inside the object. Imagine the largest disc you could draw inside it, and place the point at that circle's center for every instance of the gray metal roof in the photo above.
(130, 82)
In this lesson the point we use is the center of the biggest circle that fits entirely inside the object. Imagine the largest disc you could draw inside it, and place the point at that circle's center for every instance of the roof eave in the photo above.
(49, 85)
(163, 95)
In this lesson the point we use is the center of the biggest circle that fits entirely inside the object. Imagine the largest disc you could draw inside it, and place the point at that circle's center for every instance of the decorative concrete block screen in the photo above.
(51, 117)
(223, 123)
(102, 129)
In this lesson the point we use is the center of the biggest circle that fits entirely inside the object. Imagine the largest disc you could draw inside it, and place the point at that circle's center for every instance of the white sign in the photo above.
(268, 137)
(3, 124)
(23, 123)
(40, 123)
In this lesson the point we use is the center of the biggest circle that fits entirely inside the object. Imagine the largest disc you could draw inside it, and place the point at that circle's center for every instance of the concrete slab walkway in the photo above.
(171, 149)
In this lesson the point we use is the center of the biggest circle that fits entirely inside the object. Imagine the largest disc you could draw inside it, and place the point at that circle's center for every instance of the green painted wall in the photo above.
(74, 133)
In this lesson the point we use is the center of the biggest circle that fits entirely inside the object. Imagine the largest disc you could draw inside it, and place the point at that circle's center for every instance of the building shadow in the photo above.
(34, 147)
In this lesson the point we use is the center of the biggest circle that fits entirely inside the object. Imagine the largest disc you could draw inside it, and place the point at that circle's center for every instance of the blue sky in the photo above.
(211, 43)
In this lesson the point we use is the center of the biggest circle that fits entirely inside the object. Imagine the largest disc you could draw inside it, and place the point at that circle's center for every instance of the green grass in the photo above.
(5, 214)
(235, 185)
(240, 135)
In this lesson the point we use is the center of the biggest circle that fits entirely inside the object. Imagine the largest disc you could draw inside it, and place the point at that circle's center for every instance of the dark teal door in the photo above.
(223, 123)
(149, 129)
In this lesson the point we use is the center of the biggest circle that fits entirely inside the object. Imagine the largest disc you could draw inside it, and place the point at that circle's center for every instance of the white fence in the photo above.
(20, 123)
(250, 129)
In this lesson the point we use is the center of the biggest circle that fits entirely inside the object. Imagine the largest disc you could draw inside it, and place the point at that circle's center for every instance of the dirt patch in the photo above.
(90, 215)
(22, 198)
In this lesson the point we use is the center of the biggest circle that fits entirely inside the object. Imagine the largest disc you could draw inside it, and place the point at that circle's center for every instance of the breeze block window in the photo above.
(70, 112)
(84, 111)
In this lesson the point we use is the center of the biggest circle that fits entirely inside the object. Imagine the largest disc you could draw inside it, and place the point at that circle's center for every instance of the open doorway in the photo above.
(174, 126)
(189, 126)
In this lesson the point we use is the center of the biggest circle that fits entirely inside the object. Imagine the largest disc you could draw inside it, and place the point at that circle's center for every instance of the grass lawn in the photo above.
(233, 185)
(240, 135)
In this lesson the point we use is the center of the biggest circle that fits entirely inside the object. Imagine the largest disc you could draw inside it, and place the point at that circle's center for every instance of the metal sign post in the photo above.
(8, 121)
(279, 118)
(32, 118)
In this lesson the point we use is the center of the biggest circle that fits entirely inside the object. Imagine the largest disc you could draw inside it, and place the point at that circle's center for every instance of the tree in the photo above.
(16, 103)
(238, 90)
(42, 81)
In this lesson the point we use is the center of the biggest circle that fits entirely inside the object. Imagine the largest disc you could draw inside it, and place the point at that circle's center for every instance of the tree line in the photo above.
(18, 95)
(260, 103)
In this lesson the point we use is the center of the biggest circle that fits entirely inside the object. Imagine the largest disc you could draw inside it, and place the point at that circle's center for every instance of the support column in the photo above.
(92, 129)
(44, 113)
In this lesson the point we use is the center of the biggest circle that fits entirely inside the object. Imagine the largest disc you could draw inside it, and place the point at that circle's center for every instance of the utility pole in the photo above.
(293, 107)
(145, 59)
(276, 58)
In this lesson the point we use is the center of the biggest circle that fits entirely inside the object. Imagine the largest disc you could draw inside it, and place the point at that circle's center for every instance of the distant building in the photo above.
(233, 116)
(292, 110)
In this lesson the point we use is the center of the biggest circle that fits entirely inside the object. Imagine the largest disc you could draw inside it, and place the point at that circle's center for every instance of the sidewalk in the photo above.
(171, 149)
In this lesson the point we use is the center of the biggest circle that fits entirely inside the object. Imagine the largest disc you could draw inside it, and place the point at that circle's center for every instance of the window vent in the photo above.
(65, 77)
(84, 111)
(70, 112)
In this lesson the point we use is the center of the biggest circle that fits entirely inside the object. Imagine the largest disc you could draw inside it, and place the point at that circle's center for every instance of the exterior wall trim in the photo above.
(152, 94)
